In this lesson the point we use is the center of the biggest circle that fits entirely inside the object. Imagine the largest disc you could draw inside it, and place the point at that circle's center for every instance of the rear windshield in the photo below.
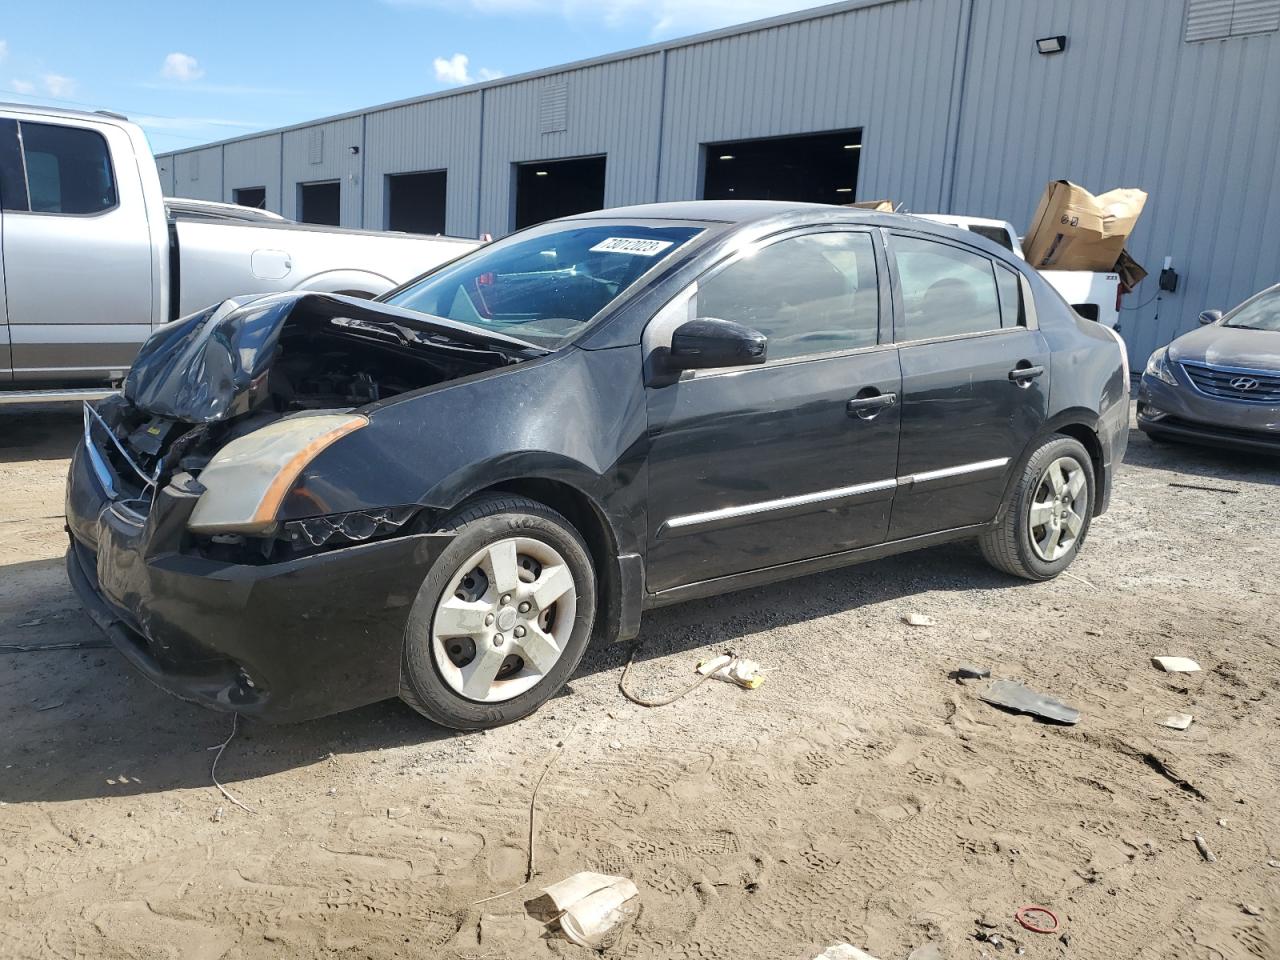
(1260, 313)
(544, 285)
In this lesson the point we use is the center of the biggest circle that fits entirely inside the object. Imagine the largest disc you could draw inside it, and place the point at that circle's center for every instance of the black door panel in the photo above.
(764, 466)
(964, 425)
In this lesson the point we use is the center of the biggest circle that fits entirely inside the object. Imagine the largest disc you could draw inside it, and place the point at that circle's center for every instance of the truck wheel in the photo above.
(1045, 522)
(503, 617)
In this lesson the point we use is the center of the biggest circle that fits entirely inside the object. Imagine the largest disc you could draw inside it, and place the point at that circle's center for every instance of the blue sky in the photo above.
(195, 72)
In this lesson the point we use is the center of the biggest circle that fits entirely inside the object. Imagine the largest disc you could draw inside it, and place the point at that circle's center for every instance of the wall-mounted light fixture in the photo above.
(354, 150)
(1047, 45)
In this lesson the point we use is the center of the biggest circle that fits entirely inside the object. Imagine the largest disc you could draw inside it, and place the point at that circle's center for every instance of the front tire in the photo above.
(503, 617)
(1044, 524)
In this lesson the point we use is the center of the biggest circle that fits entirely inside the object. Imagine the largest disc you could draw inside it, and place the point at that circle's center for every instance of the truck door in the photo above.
(77, 253)
(12, 185)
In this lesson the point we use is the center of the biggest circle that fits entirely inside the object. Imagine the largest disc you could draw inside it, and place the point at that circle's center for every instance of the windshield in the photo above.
(1260, 313)
(544, 285)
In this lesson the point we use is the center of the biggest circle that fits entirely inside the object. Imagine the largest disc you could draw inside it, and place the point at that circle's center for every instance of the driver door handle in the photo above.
(1025, 373)
(868, 407)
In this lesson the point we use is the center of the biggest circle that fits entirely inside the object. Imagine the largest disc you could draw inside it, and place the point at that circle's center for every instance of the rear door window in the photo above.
(68, 169)
(13, 182)
(810, 294)
(946, 291)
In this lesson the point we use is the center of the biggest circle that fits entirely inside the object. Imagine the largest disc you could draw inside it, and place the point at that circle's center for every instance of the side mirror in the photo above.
(1210, 316)
(709, 342)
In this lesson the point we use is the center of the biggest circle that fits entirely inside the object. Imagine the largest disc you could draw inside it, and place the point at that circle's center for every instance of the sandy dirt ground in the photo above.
(860, 795)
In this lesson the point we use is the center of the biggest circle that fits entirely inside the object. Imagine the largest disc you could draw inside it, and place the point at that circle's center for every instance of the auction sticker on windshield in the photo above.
(634, 246)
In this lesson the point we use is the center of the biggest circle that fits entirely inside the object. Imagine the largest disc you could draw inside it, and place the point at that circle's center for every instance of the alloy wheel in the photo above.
(504, 619)
(1058, 508)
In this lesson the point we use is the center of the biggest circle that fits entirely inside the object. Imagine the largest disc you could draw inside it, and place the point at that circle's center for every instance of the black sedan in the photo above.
(1219, 385)
(302, 503)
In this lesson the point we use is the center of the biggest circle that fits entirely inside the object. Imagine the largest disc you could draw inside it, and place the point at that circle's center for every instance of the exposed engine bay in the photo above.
(206, 381)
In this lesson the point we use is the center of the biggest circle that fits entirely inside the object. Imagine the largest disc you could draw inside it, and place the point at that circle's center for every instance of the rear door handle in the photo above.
(1028, 373)
(869, 407)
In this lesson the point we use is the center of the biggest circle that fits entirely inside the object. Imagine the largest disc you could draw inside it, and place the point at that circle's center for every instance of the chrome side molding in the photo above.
(696, 521)
(982, 466)
(710, 519)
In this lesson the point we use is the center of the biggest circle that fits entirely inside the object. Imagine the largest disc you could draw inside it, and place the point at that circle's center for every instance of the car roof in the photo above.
(717, 211)
(39, 110)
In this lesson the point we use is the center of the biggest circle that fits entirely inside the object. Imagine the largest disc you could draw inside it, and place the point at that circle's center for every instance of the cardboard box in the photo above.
(877, 206)
(1074, 230)
(1131, 272)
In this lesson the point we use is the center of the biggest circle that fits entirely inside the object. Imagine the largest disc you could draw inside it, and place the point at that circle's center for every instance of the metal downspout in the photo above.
(959, 73)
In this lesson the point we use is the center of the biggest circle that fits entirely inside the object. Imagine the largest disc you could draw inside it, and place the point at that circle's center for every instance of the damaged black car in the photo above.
(303, 503)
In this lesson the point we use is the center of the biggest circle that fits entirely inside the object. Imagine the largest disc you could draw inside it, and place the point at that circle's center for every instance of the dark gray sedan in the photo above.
(1219, 385)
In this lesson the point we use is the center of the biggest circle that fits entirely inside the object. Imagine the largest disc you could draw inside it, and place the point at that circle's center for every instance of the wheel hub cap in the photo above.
(1058, 508)
(504, 619)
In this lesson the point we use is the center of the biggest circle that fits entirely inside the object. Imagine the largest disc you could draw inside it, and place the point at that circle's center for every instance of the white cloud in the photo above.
(663, 18)
(56, 85)
(456, 70)
(23, 86)
(181, 66)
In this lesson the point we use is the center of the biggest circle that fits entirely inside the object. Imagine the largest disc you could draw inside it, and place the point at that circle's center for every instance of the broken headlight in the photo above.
(354, 527)
(249, 477)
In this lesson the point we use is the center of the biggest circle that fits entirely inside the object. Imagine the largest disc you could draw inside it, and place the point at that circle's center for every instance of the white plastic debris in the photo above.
(733, 669)
(592, 906)
(919, 620)
(1176, 721)
(1175, 664)
(843, 951)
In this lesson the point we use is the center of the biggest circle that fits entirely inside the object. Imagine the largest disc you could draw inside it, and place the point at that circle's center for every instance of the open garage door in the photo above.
(320, 203)
(558, 188)
(813, 167)
(415, 201)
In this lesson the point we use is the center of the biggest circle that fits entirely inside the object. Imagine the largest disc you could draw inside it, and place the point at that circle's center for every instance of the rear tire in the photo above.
(503, 617)
(1045, 522)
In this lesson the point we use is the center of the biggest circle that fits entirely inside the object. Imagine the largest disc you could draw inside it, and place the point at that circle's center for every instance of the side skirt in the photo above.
(800, 568)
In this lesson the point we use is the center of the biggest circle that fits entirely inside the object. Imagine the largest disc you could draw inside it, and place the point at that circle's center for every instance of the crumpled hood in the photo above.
(213, 365)
(1229, 347)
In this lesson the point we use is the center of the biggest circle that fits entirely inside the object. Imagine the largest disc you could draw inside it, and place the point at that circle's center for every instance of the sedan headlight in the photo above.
(1158, 367)
(249, 477)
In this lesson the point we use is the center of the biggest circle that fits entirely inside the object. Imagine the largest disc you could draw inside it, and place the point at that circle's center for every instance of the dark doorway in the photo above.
(255, 197)
(558, 188)
(815, 167)
(415, 202)
(320, 202)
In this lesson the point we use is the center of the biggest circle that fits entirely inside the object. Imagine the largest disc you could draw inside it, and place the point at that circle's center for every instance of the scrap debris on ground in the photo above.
(862, 796)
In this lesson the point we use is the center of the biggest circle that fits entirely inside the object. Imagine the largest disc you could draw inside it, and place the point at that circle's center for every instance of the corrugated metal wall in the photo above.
(323, 152)
(959, 113)
(1196, 125)
(887, 69)
(197, 173)
(436, 135)
(164, 166)
(253, 163)
(611, 109)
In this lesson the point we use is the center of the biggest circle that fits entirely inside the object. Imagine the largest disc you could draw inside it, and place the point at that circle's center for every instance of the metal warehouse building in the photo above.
(941, 105)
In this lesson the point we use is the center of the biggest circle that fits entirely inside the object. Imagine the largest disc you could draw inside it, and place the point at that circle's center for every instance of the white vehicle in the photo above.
(1095, 296)
(93, 258)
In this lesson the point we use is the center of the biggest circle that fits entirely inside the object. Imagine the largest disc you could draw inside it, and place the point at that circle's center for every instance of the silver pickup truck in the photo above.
(93, 257)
